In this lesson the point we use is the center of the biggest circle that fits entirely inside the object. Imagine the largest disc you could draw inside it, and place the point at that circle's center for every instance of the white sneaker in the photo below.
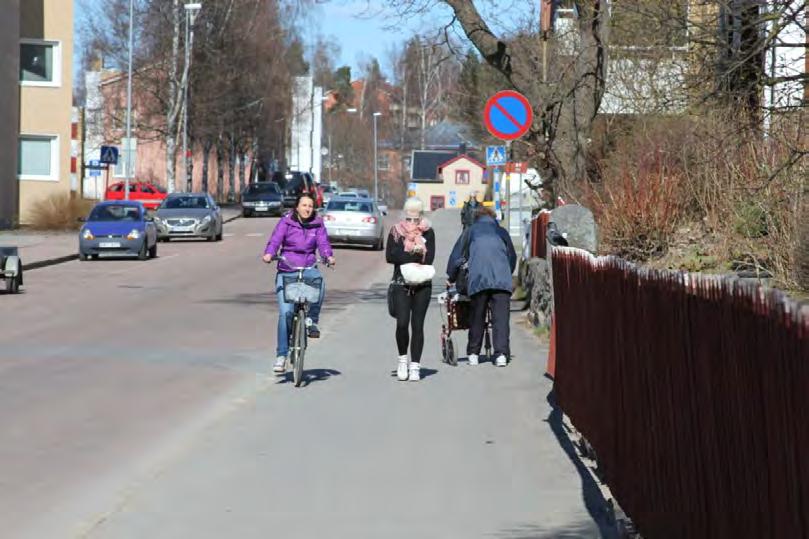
(501, 361)
(280, 364)
(401, 369)
(415, 372)
(473, 359)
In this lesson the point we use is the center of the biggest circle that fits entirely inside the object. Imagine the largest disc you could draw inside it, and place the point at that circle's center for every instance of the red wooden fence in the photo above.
(694, 393)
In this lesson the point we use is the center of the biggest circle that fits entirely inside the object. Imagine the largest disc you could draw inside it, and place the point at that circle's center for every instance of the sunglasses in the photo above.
(412, 219)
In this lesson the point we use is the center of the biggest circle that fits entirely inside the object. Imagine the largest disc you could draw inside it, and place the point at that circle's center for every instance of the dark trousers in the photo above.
(499, 301)
(411, 307)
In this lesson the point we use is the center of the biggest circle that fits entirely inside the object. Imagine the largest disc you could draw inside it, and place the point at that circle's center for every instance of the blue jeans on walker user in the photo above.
(286, 310)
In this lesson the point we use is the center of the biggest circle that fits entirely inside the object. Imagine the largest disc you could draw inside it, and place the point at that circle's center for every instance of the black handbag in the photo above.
(391, 307)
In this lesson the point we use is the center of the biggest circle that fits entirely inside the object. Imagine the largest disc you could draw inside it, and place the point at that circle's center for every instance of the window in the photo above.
(462, 177)
(119, 171)
(40, 63)
(383, 162)
(38, 158)
(436, 202)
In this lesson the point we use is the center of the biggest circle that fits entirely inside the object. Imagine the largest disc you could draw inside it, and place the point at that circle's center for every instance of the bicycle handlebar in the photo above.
(278, 258)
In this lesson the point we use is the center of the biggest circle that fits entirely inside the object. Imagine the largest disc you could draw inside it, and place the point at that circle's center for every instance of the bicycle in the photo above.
(302, 291)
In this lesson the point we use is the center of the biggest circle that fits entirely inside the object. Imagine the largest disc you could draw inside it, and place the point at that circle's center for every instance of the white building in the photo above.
(303, 153)
(786, 60)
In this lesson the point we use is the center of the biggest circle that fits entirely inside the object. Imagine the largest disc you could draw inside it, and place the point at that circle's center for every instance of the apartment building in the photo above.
(36, 51)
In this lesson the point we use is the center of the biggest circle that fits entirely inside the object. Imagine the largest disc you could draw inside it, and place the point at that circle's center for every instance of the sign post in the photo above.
(508, 115)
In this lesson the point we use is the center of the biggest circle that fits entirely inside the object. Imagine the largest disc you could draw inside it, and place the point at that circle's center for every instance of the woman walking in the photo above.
(297, 236)
(411, 250)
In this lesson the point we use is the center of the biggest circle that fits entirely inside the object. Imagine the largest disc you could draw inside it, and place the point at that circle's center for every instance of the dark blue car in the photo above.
(118, 227)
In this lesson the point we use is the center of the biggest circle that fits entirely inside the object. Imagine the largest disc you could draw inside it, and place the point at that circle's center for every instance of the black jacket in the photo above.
(396, 255)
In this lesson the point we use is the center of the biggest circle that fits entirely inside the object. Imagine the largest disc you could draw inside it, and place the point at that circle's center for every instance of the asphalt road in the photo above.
(136, 400)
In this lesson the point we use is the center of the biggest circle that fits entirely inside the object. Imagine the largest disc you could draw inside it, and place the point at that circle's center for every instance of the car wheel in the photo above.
(380, 244)
(142, 254)
(153, 251)
(13, 284)
(247, 214)
(212, 235)
(94, 257)
(83, 257)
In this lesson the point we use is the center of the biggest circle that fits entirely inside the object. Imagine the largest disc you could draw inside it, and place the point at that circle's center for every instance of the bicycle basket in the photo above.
(305, 291)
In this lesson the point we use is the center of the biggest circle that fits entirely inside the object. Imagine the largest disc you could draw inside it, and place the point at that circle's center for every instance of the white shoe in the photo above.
(415, 372)
(472, 359)
(501, 361)
(280, 364)
(401, 369)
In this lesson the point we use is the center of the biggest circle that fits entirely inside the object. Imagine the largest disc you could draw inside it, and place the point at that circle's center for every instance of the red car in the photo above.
(150, 195)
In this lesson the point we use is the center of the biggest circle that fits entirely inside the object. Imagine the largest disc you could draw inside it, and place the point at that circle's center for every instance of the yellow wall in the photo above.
(47, 110)
(425, 191)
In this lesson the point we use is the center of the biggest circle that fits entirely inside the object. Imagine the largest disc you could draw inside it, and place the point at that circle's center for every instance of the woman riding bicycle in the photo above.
(297, 236)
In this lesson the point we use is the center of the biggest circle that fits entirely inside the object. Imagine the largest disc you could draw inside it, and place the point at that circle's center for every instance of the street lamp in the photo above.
(128, 146)
(191, 11)
(376, 161)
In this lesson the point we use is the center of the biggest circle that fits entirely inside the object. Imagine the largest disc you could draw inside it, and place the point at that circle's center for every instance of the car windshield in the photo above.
(349, 205)
(182, 202)
(113, 212)
(256, 188)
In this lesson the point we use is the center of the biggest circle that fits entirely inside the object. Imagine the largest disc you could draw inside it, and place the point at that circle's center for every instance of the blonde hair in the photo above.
(414, 204)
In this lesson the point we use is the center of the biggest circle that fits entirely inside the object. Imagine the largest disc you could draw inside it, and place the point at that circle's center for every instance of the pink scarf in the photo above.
(411, 233)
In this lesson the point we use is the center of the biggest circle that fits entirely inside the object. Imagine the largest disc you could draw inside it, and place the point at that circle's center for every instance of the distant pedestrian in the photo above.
(491, 263)
(468, 212)
(411, 250)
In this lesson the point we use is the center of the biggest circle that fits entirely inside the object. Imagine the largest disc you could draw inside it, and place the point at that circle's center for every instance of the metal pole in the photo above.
(376, 162)
(508, 190)
(128, 146)
(331, 159)
(185, 104)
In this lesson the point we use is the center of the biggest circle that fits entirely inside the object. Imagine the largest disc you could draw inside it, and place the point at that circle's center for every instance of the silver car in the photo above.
(189, 215)
(354, 220)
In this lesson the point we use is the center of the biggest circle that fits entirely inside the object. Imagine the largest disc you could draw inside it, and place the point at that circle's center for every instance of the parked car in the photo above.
(327, 192)
(262, 198)
(11, 269)
(293, 183)
(362, 193)
(348, 194)
(118, 228)
(354, 220)
(189, 215)
(149, 194)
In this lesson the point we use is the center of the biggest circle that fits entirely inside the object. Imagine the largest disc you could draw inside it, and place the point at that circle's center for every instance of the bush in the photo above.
(802, 250)
(58, 212)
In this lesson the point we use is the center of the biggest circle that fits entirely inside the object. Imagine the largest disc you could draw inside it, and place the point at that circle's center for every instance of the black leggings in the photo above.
(411, 308)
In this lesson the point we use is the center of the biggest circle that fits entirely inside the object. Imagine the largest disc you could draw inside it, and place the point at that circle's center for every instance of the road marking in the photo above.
(254, 235)
(227, 235)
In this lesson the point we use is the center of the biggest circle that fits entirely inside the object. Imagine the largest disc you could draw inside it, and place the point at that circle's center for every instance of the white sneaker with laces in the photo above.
(401, 369)
(280, 364)
(473, 359)
(501, 361)
(415, 372)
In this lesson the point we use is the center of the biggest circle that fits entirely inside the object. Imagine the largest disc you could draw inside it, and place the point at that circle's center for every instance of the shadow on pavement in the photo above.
(310, 376)
(425, 373)
(583, 530)
(594, 501)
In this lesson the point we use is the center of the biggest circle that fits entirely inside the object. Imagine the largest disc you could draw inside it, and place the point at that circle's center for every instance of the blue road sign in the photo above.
(109, 155)
(508, 115)
(94, 168)
(495, 156)
(453, 199)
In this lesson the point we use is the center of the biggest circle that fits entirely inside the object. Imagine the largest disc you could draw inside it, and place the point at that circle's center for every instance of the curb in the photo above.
(67, 258)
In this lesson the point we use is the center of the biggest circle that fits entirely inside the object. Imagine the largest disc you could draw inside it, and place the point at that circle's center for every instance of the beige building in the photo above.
(36, 46)
(455, 180)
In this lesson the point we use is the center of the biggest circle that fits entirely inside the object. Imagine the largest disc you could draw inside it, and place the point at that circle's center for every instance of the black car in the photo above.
(293, 183)
(262, 198)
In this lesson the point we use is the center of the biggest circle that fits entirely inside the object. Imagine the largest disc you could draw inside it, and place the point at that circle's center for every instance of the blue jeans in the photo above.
(286, 310)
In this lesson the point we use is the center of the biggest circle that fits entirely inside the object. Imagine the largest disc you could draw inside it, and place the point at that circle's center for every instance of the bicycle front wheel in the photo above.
(299, 345)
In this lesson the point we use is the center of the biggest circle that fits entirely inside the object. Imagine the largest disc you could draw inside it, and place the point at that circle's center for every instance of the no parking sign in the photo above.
(508, 115)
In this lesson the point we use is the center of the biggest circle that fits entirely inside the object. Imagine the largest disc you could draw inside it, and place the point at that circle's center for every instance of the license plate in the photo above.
(109, 244)
(262, 208)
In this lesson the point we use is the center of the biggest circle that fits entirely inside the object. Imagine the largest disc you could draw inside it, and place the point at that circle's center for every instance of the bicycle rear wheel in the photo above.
(299, 345)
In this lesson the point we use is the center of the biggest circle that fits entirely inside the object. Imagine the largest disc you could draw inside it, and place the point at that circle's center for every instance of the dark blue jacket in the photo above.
(491, 257)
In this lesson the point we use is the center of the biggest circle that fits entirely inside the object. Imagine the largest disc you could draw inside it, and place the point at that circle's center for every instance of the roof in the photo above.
(448, 134)
(425, 163)
(462, 156)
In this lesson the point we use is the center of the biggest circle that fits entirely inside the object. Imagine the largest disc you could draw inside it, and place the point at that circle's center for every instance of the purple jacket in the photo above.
(297, 243)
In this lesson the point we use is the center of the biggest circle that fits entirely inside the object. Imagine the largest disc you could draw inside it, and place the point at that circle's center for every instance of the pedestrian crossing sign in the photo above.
(109, 155)
(495, 156)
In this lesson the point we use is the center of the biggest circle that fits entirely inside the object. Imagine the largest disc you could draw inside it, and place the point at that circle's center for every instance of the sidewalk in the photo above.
(46, 248)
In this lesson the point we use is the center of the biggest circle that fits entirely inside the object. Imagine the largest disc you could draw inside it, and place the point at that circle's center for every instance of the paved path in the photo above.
(183, 433)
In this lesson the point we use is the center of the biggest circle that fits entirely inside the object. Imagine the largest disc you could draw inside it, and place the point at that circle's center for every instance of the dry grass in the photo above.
(58, 212)
(701, 194)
